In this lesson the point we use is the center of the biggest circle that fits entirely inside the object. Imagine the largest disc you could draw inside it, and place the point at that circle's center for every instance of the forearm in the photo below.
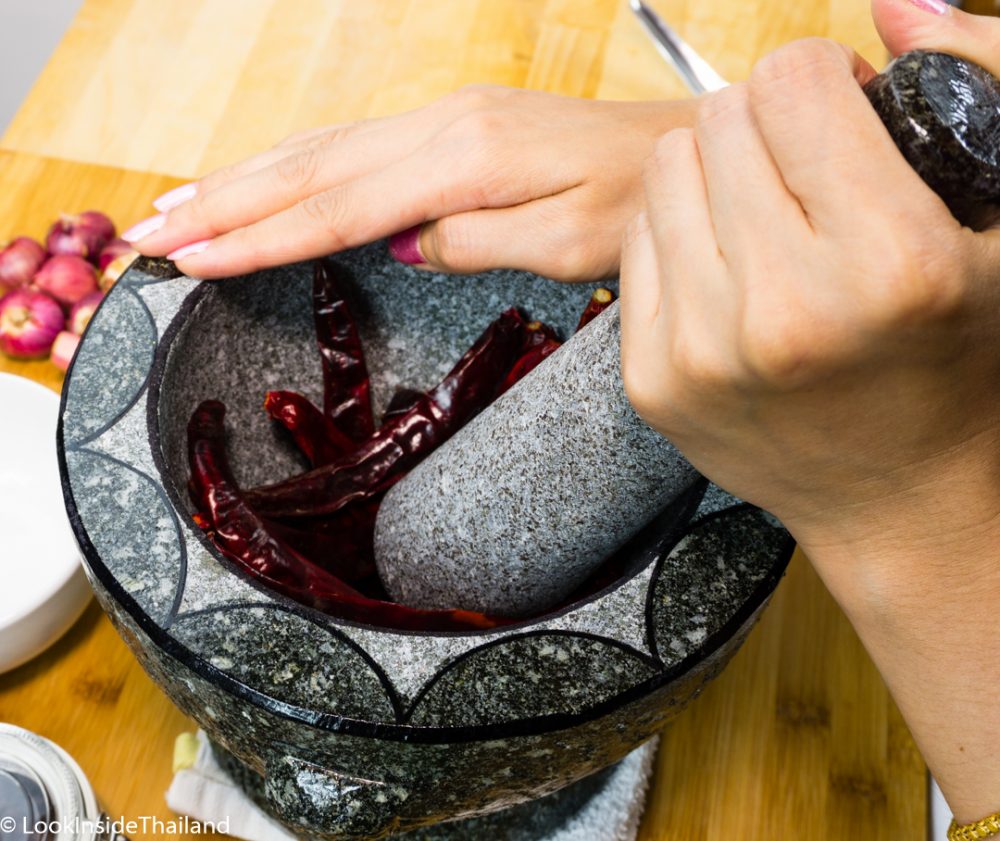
(926, 608)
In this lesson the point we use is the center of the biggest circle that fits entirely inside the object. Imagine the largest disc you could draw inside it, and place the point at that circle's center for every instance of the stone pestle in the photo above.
(512, 514)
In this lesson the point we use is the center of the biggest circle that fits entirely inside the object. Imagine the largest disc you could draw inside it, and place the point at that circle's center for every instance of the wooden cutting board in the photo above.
(799, 732)
(185, 86)
(798, 738)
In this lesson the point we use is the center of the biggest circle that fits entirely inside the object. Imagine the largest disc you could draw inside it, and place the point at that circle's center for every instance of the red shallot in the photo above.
(29, 323)
(67, 278)
(115, 269)
(83, 235)
(83, 310)
(64, 349)
(18, 263)
(112, 251)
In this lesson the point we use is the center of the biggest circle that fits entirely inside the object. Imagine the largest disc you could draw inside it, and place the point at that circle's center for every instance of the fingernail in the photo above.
(141, 230)
(405, 246)
(176, 196)
(935, 7)
(188, 250)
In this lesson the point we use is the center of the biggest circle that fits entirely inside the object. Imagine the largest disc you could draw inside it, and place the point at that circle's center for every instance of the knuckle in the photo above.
(642, 386)
(294, 138)
(778, 363)
(673, 147)
(451, 243)
(568, 263)
(223, 175)
(798, 64)
(723, 106)
(332, 137)
(576, 257)
(780, 352)
(915, 285)
(197, 213)
(475, 97)
(326, 213)
(698, 364)
(300, 169)
(478, 130)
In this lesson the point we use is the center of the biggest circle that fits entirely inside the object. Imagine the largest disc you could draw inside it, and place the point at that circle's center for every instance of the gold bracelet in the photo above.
(986, 828)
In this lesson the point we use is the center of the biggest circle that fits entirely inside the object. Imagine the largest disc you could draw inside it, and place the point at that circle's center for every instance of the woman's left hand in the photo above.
(494, 177)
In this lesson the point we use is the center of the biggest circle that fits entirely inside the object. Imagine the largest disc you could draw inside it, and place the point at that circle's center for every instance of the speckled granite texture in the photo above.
(358, 731)
(944, 114)
(515, 511)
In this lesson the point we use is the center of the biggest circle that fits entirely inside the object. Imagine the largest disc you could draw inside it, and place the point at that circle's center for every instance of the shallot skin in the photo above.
(115, 269)
(83, 235)
(18, 263)
(83, 310)
(64, 349)
(29, 323)
(112, 251)
(67, 278)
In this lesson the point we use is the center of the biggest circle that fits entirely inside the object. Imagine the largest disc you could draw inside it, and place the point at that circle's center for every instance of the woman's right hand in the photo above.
(804, 318)
(495, 177)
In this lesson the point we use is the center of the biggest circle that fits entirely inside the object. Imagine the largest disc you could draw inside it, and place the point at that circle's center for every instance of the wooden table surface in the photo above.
(798, 738)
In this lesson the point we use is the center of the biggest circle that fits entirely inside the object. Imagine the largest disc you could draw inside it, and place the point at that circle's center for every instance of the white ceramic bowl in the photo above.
(43, 589)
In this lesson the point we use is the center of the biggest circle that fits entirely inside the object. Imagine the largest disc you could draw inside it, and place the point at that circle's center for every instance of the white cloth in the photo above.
(206, 793)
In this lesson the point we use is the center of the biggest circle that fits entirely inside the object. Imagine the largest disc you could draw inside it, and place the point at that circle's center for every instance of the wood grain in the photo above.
(186, 86)
(799, 731)
(982, 7)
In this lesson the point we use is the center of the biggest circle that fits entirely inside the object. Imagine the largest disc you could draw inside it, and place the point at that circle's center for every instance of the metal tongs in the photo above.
(697, 73)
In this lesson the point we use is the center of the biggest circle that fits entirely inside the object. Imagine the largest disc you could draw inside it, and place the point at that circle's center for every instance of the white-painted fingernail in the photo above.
(141, 230)
(176, 196)
(189, 250)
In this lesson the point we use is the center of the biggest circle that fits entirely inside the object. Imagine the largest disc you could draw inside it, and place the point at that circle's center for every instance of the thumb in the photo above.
(906, 25)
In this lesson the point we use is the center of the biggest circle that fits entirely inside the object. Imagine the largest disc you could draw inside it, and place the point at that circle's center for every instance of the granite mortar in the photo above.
(358, 731)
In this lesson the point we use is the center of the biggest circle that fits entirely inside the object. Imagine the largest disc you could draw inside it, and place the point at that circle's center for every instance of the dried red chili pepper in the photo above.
(248, 541)
(538, 333)
(598, 303)
(235, 527)
(400, 444)
(344, 546)
(540, 341)
(371, 469)
(346, 385)
(402, 401)
(477, 376)
(529, 361)
(314, 434)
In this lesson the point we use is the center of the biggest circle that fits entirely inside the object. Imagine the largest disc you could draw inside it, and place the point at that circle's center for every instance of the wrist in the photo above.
(926, 538)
